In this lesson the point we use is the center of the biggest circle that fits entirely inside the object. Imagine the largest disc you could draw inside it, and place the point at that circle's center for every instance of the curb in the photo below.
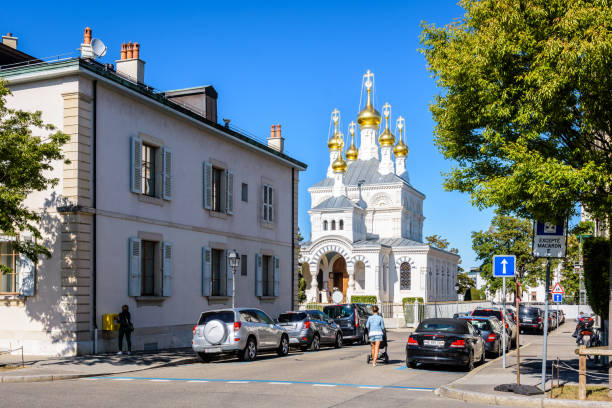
(514, 400)
(58, 377)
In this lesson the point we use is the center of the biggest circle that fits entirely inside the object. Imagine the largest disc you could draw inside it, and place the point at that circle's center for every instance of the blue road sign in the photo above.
(557, 298)
(504, 265)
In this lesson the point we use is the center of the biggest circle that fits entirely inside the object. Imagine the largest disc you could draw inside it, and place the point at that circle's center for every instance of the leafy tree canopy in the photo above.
(27, 152)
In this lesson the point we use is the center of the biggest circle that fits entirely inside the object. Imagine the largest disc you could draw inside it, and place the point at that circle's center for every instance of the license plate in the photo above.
(213, 350)
(433, 342)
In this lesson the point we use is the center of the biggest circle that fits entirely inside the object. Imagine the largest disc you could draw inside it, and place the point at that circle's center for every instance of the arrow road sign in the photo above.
(558, 289)
(557, 297)
(504, 265)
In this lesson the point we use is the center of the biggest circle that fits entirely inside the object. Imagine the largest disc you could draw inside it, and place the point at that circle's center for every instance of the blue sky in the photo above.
(279, 62)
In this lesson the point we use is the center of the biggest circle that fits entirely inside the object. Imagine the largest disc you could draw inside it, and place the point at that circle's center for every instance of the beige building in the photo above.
(155, 196)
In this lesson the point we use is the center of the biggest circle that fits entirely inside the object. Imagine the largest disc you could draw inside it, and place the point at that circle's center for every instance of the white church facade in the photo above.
(367, 221)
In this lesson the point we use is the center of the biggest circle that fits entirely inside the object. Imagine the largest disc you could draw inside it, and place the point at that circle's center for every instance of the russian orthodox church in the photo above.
(367, 220)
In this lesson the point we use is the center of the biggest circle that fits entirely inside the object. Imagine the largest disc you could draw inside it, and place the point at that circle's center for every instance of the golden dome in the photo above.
(400, 149)
(337, 141)
(369, 116)
(339, 165)
(351, 152)
(386, 138)
(332, 143)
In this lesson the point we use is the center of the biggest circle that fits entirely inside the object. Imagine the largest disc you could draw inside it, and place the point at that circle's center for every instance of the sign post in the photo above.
(549, 241)
(504, 266)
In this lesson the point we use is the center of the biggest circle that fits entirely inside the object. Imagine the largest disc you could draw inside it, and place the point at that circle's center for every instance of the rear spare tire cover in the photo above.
(214, 332)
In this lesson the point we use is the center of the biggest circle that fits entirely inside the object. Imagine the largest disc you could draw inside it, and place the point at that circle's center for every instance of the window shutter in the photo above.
(134, 274)
(229, 192)
(229, 275)
(166, 173)
(206, 275)
(264, 209)
(276, 276)
(167, 268)
(136, 165)
(270, 204)
(258, 283)
(207, 189)
(27, 273)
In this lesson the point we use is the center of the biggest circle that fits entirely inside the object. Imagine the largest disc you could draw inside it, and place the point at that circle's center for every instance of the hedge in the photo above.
(474, 294)
(364, 299)
(596, 252)
(411, 300)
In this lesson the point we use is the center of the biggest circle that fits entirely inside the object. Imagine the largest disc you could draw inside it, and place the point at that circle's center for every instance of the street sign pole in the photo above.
(544, 344)
(518, 331)
(504, 321)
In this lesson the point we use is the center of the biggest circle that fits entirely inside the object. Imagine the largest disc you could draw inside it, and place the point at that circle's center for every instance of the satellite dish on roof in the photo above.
(98, 47)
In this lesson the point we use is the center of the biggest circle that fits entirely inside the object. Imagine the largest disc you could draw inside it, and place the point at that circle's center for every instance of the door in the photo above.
(251, 322)
(322, 321)
(340, 276)
(271, 337)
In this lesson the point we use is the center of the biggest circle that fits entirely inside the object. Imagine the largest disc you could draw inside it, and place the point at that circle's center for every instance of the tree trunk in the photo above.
(610, 305)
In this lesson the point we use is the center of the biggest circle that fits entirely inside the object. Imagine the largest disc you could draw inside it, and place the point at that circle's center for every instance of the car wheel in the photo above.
(204, 358)
(315, 344)
(483, 357)
(412, 365)
(338, 342)
(470, 365)
(283, 347)
(250, 351)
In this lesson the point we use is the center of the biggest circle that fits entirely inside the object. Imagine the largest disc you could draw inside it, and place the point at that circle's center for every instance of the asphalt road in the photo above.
(328, 378)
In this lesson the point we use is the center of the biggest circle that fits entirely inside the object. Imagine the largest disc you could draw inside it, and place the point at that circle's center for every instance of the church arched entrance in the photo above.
(339, 276)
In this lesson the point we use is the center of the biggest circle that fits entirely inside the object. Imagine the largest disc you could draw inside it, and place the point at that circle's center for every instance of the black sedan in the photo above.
(491, 332)
(445, 341)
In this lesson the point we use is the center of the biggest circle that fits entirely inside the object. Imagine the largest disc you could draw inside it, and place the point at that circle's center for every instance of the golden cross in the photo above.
(335, 116)
(368, 76)
(352, 128)
(386, 110)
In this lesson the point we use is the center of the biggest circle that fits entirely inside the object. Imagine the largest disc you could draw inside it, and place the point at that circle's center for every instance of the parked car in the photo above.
(352, 320)
(531, 318)
(552, 320)
(491, 331)
(309, 329)
(562, 314)
(460, 314)
(502, 317)
(445, 341)
(241, 331)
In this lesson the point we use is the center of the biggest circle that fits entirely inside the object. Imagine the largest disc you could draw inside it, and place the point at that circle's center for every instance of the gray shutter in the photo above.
(271, 204)
(229, 192)
(27, 273)
(166, 173)
(207, 185)
(206, 275)
(258, 283)
(134, 274)
(167, 249)
(229, 276)
(136, 165)
(263, 203)
(276, 276)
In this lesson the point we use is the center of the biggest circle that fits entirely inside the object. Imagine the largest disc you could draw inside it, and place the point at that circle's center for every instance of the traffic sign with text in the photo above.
(549, 240)
(504, 265)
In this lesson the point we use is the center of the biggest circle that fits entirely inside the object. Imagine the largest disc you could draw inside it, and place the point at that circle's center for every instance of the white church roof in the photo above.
(366, 170)
(336, 203)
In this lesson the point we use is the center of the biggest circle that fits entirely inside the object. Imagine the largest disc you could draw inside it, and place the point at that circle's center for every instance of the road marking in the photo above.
(238, 382)
(120, 379)
(323, 385)
(279, 383)
(160, 380)
(373, 387)
(197, 381)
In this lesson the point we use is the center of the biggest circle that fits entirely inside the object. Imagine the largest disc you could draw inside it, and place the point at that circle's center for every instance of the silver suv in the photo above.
(241, 331)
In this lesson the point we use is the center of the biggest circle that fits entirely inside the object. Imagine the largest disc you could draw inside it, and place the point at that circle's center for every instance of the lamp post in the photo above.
(234, 263)
(457, 293)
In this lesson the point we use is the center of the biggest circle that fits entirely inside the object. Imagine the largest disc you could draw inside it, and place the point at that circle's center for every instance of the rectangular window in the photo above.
(268, 203)
(218, 273)
(8, 258)
(243, 265)
(245, 192)
(217, 187)
(149, 170)
(148, 268)
(267, 276)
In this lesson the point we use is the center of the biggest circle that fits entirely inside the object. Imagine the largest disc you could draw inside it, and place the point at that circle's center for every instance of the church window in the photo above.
(333, 226)
(341, 225)
(325, 225)
(405, 276)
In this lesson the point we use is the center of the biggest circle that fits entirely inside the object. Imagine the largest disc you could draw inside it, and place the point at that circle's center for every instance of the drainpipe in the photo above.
(95, 216)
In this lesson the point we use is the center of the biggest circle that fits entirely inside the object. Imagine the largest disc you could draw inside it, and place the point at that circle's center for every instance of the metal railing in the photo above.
(11, 351)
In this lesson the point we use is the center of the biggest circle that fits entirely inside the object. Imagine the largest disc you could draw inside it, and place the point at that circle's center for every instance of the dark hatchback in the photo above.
(351, 318)
(445, 341)
(531, 318)
(491, 332)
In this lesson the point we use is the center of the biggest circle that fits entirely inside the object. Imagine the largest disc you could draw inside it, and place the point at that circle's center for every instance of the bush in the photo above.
(474, 294)
(364, 299)
(597, 274)
(411, 300)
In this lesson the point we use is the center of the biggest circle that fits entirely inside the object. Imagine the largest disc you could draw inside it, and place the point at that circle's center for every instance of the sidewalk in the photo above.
(43, 368)
(478, 386)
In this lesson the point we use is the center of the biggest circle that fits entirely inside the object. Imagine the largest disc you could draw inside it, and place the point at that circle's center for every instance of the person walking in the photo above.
(125, 329)
(376, 327)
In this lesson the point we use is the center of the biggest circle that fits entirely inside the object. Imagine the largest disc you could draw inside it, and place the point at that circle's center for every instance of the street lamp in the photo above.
(457, 292)
(234, 263)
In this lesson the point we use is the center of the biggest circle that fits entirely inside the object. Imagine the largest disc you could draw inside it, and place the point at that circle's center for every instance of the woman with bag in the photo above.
(125, 329)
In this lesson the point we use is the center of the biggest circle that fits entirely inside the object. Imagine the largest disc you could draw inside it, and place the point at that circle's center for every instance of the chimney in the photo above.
(9, 40)
(86, 50)
(276, 141)
(202, 100)
(130, 64)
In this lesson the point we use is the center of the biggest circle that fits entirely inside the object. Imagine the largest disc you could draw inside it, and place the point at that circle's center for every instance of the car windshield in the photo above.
(440, 327)
(225, 317)
(291, 317)
(480, 324)
(366, 308)
(528, 311)
(338, 311)
(487, 312)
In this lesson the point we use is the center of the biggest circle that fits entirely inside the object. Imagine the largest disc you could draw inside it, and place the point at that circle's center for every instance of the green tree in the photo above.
(464, 282)
(437, 241)
(526, 109)
(28, 148)
(301, 280)
(507, 235)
